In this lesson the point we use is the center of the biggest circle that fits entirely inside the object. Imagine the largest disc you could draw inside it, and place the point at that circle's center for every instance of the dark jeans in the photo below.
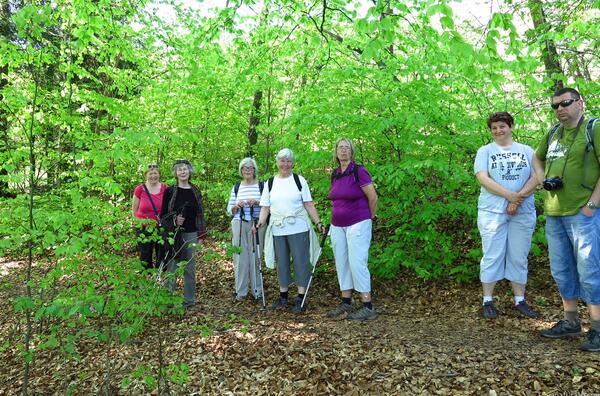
(149, 247)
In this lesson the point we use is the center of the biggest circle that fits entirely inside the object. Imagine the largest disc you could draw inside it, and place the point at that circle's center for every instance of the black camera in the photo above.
(553, 183)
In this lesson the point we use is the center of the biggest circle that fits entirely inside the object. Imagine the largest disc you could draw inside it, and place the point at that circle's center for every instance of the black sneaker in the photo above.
(489, 311)
(525, 310)
(339, 310)
(563, 328)
(298, 308)
(593, 341)
(363, 314)
(281, 303)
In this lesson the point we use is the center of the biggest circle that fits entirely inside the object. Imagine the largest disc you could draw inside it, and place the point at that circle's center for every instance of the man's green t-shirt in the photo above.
(570, 148)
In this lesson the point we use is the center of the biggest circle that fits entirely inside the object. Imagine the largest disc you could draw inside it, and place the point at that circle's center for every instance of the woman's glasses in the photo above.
(153, 166)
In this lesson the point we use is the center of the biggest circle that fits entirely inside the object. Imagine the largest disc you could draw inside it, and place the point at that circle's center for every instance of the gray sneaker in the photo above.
(281, 303)
(363, 314)
(593, 341)
(339, 310)
(563, 328)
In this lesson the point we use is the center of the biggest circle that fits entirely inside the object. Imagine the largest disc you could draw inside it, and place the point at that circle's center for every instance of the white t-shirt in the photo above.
(508, 166)
(284, 197)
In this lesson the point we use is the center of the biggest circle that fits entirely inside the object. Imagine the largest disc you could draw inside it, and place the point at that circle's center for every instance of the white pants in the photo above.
(505, 241)
(351, 251)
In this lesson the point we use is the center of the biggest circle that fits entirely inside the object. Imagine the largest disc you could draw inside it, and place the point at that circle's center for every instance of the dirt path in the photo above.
(428, 339)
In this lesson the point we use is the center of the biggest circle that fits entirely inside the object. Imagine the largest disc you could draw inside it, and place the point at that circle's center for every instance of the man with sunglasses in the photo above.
(571, 180)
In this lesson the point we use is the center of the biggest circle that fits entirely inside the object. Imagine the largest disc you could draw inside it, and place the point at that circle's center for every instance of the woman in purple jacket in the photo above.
(354, 204)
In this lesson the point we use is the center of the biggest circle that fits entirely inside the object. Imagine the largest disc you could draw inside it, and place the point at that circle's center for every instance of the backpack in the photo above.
(296, 180)
(236, 187)
(589, 128)
(336, 175)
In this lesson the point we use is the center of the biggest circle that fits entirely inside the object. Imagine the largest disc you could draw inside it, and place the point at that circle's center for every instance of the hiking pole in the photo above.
(312, 273)
(257, 260)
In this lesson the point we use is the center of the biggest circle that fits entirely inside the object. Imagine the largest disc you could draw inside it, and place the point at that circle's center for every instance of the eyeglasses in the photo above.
(247, 168)
(563, 103)
(152, 166)
(344, 148)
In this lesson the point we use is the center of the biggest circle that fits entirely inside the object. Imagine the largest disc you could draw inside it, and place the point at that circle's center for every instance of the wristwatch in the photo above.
(591, 205)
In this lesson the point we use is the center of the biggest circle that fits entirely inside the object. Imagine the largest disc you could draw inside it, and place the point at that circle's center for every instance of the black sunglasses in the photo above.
(152, 166)
(563, 103)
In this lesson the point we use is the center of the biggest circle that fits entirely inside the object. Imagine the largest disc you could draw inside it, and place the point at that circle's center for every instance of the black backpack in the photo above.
(336, 175)
(296, 180)
(589, 129)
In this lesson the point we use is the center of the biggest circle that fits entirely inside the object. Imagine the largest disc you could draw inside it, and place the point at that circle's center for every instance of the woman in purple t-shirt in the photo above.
(354, 204)
(146, 204)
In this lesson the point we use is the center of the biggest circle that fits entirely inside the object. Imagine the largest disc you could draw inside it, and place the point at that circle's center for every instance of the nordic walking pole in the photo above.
(257, 259)
(312, 273)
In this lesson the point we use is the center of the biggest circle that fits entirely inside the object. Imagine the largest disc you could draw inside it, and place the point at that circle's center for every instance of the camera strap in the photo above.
(551, 135)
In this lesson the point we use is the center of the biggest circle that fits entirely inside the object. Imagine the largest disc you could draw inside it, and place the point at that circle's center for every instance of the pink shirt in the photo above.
(145, 210)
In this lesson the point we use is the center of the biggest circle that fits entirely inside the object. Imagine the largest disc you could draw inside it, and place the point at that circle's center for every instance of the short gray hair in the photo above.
(285, 153)
(248, 161)
(180, 164)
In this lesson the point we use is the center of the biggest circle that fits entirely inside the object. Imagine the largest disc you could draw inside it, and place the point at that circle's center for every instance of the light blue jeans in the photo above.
(573, 247)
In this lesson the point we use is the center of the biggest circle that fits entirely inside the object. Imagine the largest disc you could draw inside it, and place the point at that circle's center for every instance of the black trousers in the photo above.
(149, 248)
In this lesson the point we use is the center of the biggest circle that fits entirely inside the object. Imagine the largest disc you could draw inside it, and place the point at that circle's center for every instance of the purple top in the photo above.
(349, 203)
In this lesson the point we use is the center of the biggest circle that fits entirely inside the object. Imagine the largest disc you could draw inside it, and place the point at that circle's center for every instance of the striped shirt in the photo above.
(244, 193)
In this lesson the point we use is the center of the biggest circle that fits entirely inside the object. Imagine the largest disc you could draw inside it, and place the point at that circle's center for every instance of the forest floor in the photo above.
(429, 338)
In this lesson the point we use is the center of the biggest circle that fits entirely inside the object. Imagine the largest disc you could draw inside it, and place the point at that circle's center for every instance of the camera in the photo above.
(553, 183)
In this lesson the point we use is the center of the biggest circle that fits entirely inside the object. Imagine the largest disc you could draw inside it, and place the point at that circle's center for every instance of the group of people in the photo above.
(275, 217)
(566, 164)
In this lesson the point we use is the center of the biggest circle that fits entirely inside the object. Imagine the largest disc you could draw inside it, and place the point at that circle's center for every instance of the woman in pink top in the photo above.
(146, 204)
(354, 204)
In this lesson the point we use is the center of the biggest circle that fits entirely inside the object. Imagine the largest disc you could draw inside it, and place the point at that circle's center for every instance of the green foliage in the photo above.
(97, 90)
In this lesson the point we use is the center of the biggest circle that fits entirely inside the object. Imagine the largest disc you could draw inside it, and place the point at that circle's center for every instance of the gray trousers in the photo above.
(186, 257)
(299, 247)
(247, 272)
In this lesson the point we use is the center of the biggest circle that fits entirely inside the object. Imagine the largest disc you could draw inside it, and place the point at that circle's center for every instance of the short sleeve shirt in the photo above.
(563, 157)
(349, 203)
(145, 209)
(510, 167)
(284, 197)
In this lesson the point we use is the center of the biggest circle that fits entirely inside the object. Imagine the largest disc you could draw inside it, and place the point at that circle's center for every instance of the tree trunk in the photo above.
(254, 121)
(549, 52)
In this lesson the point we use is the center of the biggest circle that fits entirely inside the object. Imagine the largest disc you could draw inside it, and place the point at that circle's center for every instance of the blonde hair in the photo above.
(337, 143)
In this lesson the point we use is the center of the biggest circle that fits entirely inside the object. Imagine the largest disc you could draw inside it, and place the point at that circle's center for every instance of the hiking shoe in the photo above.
(593, 341)
(281, 303)
(339, 310)
(363, 314)
(298, 308)
(562, 328)
(489, 311)
(525, 310)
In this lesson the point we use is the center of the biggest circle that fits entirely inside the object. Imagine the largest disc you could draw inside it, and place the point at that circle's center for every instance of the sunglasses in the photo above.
(563, 103)
(152, 166)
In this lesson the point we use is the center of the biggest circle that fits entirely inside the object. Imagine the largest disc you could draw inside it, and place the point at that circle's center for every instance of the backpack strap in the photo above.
(236, 189)
(270, 183)
(589, 130)
(552, 132)
(296, 180)
(355, 171)
(261, 186)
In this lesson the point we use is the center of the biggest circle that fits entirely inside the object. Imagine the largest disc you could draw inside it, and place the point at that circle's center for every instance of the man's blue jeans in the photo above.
(574, 250)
